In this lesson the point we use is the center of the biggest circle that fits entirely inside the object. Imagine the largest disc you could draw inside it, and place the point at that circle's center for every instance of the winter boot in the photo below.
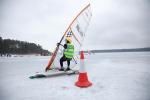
(68, 69)
(61, 69)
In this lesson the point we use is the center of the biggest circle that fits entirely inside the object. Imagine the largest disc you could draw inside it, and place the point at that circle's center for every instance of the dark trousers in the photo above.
(62, 59)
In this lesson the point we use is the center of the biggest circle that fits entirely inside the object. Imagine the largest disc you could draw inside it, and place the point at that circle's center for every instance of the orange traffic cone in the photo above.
(83, 78)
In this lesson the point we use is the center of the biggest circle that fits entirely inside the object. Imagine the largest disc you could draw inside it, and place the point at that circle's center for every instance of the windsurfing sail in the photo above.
(76, 31)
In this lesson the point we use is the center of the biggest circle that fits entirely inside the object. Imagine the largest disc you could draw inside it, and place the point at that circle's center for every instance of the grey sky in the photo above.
(115, 23)
(120, 24)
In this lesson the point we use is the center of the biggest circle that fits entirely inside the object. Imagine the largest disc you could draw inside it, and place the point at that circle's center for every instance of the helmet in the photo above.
(68, 39)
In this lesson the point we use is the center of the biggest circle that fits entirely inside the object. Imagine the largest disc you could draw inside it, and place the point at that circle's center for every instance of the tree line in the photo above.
(9, 46)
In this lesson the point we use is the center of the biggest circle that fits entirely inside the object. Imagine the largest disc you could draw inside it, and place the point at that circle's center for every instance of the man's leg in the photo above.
(61, 62)
(68, 63)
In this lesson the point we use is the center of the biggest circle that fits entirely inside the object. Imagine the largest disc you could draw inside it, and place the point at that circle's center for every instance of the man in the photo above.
(68, 54)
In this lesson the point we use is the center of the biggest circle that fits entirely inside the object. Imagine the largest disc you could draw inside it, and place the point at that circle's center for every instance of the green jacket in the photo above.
(69, 51)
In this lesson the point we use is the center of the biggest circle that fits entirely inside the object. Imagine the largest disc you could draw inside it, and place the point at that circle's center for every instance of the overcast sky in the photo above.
(114, 24)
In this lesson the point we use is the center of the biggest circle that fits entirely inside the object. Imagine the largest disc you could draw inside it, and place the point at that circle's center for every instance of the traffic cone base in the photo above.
(83, 80)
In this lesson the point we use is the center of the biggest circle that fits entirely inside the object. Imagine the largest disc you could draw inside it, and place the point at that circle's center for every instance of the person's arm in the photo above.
(65, 45)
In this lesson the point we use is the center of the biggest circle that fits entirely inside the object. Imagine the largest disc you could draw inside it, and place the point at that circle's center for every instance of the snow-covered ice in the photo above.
(115, 76)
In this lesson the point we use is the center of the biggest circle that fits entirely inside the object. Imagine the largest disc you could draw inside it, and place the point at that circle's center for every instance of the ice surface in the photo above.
(115, 76)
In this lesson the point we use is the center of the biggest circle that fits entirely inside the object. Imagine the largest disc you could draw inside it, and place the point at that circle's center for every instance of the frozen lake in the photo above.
(115, 76)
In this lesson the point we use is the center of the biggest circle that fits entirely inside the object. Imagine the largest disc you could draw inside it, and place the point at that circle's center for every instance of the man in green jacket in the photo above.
(68, 54)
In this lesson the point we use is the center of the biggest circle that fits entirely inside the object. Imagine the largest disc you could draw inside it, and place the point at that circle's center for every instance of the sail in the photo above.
(76, 31)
